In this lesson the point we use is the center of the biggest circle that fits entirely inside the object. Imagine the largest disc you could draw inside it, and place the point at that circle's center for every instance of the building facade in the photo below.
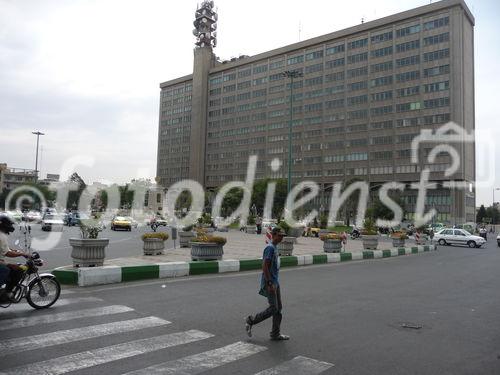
(365, 93)
(11, 178)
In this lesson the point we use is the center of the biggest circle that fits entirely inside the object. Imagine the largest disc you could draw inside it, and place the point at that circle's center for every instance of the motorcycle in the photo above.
(355, 233)
(40, 290)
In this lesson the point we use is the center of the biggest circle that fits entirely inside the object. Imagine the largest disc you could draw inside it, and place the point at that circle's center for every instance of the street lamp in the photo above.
(291, 74)
(38, 134)
(494, 196)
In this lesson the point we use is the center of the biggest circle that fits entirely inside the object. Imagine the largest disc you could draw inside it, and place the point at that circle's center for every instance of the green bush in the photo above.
(251, 220)
(284, 225)
(369, 228)
(158, 235)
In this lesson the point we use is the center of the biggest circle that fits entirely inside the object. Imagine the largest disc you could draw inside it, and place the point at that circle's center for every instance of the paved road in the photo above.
(350, 315)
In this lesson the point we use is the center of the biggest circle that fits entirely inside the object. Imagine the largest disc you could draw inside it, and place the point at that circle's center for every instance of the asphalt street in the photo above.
(434, 313)
(121, 243)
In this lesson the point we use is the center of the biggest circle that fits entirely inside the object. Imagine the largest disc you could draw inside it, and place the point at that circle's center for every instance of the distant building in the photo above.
(11, 178)
(365, 94)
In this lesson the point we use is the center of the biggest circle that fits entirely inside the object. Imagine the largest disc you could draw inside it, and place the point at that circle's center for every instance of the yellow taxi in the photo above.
(121, 222)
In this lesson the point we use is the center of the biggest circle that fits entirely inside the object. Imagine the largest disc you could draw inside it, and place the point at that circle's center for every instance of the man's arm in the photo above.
(16, 253)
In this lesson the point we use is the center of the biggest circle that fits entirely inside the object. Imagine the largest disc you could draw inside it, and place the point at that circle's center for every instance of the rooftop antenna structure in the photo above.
(205, 25)
(300, 29)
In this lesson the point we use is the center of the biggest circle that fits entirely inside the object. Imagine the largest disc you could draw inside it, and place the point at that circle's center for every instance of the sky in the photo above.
(87, 73)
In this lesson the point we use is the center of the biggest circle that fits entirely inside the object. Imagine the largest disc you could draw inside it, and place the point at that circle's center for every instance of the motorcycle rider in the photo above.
(9, 273)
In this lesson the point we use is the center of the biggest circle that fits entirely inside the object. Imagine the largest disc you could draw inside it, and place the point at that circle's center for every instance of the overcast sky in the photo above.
(87, 72)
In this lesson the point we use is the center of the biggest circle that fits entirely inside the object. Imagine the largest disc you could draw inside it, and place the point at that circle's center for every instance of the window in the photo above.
(295, 60)
(244, 85)
(313, 107)
(313, 94)
(229, 88)
(437, 86)
(408, 46)
(228, 99)
(408, 91)
(380, 111)
(259, 81)
(440, 22)
(404, 154)
(275, 89)
(357, 156)
(276, 77)
(314, 68)
(360, 142)
(334, 89)
(381, 155)
(358, 43)
(339, 103)
(334, 77)
(404, 107)
(357, 58)
(260, 69)
(408, 76)
(381, 125)
(380, 96)
(276, 64)
(381, 37)
(259, 93)
(407, 31)
(333, 158)
(406, 61)
(215, 80)
(229, 77)
(245, 73)
(381, 67)
(435, 39)
(335, 49)
(436, 103)
(314, 81)
(352, 73)
(216, 91)
(401, 123)
(437, 119)
(334, 63)
(383, 140)
(357, 128)
(438, 70)
(382, 52)
(314, 55)
(354, 115)
(356, 100)
(381, 81)
(214, 103)
(406, 138)
(358, 86)
(437, 55)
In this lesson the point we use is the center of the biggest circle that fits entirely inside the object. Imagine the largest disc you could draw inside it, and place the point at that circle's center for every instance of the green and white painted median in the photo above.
(87, 276)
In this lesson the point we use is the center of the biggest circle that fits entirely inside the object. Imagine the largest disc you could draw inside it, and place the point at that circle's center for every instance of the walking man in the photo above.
(270, 288)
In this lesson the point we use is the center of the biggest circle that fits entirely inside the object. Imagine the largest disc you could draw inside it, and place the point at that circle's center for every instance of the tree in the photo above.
(481, 214)
(381, 211)
(493, 213)
(74, 195)
(259, 195)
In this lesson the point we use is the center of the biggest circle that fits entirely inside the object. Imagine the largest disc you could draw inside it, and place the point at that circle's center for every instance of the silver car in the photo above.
(449, 236)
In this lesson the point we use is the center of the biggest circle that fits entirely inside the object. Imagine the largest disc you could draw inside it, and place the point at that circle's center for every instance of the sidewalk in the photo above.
(242, 252)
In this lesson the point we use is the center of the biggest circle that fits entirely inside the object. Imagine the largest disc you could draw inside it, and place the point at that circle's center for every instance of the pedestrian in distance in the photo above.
(270, 288)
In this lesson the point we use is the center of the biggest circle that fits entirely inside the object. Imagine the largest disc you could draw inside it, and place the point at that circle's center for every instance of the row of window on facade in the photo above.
(259, 68)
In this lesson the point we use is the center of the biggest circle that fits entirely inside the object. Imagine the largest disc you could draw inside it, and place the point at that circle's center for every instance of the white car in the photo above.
(52, 222)
(448, 236)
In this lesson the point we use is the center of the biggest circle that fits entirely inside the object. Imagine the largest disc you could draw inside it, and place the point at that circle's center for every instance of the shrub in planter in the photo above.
(369, 235)
(154, 243)
(88, 251)
(207, 247)
(332, 242)
(398, 238)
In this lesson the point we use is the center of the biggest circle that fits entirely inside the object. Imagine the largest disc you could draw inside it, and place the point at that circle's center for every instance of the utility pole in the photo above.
(38, 134)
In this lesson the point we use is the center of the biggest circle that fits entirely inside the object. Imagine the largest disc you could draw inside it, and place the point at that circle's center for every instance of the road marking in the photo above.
(20, 344)
(298, 366)
(107, 354)
(62, 317)
(61, 302)
(67, 291)
(197, 363)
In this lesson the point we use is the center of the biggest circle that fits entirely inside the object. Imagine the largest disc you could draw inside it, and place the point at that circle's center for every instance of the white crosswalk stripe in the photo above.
(62, 317)
(20, 344)
(298, 366)
(108, 354)
(197, 363)
(59, 303)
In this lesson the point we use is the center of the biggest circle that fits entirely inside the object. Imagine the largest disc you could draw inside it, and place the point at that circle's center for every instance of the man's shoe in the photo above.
(248, 325)
(280, 338)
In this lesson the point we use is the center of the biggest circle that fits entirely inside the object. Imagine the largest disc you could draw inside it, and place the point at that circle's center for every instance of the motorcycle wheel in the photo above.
(44, 292)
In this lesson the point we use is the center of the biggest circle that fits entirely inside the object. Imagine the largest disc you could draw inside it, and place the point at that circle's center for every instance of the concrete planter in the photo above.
(153, 246)
(285, 247)
(206, 251)
(88, 252)
(370, 242)
(332, 246)
(398, 242)
(185, 238)
(296, 232)
(251, 229)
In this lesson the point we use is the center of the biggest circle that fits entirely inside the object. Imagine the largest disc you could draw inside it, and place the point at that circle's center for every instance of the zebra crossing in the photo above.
(15, 351)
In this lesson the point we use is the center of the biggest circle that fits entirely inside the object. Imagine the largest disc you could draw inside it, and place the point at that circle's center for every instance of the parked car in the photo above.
(52, 222)
(498, 240)
(34, 216)
(456, 236)
(121, 222)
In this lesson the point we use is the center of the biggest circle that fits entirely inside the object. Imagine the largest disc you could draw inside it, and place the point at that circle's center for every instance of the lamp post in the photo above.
(494, 196)
(38, 134)
(291, 74)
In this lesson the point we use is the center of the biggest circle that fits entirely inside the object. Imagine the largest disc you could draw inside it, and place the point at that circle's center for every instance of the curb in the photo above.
(88, 276)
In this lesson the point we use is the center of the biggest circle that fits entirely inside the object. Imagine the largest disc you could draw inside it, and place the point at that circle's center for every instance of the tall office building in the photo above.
(363, 95)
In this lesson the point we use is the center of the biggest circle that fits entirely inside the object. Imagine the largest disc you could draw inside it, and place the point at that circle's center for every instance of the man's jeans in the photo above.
(4, 274)
(274, 310)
